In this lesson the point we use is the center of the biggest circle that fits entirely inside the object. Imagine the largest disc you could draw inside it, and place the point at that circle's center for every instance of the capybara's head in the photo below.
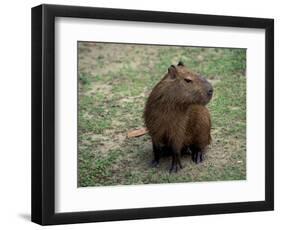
(188, 87)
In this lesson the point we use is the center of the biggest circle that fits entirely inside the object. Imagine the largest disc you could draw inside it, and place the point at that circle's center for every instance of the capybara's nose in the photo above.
(210, 92)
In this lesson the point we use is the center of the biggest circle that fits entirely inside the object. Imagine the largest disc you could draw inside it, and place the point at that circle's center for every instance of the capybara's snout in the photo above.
(208, 88)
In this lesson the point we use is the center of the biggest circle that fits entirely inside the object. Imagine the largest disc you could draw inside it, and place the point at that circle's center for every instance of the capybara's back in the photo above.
(176, 117)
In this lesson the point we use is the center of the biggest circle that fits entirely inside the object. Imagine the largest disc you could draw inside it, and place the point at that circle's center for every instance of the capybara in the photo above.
(176, 117)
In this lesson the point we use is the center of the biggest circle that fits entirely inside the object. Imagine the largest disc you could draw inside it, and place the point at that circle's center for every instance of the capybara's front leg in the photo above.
(176, 162)
(156, 152)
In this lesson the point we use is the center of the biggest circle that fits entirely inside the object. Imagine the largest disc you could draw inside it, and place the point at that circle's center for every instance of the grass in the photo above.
(114, 82)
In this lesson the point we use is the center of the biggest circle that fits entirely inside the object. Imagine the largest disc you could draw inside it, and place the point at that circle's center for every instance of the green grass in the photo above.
(114, 82)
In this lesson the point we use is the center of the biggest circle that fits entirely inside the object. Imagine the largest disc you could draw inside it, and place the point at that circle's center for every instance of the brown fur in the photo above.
(175, 114)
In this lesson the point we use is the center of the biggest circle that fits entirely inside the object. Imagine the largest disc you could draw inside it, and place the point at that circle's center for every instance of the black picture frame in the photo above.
(43, 114)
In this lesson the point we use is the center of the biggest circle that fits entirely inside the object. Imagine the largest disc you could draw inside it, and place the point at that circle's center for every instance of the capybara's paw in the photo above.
(197, 157)
(154, 163)
(175, 167)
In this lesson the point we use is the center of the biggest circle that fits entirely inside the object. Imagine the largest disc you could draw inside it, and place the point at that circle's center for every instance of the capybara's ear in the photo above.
(172, 71)
(180, 63)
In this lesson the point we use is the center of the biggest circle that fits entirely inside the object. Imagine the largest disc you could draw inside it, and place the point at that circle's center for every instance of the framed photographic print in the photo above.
(141, 114)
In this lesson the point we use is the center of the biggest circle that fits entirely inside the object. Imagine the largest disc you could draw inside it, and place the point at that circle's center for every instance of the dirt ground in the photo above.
(114, 82)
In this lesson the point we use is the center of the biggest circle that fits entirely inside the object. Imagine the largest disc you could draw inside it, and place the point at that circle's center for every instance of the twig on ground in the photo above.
(137, 132)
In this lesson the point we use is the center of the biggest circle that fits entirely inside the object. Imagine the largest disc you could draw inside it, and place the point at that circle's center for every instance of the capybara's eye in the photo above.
(188, 80)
